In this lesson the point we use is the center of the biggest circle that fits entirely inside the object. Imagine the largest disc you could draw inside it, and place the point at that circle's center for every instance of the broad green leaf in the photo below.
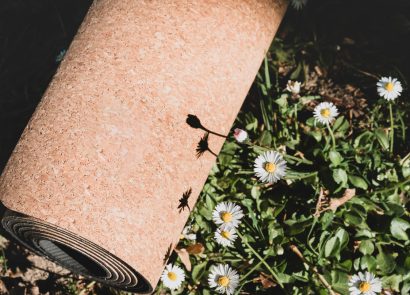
(335, 157)
(386, 262)
(392, 282)
(382, 138)
(340, 176)
(366, 247)
(332, 247)
(368, 262)
(358, 182)
(198, 270)
(343, 237)
(266, 138)
(398, 228)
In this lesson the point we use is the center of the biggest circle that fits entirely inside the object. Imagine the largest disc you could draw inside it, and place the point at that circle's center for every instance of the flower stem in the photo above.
(296, 123)
(273, 273)
(332, 135)
(391, 128)
(321, 278)
(252, 270)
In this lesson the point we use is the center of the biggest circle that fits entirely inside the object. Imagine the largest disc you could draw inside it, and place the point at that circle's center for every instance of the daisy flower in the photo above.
(364, 284)
(240, 135)
(225, 236)
(270, 167)
(298, 4)
(325, 112)
(389, 88)
(172, 277)
(227, 214)
(224, 279)
(293, 87)
(188, 234)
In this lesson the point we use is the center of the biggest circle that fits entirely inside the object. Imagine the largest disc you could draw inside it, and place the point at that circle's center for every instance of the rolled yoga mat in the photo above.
(96, 181)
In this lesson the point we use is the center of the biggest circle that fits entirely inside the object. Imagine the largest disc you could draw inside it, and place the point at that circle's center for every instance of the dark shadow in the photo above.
(183, 202)
(167, 254)
(195, 123)
(203, 146)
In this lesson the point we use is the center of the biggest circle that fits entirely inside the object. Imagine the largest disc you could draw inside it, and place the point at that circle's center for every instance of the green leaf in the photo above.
(198, 270)
(392, 282)
(294, 227)
(266, 138)
(386, 262)
(368, 262)
(366, 247)
(340, 125)
(353, 218)
(316, 134)
(332, 247)
(282, 101)
(358, 181)
(335, 157)
(398, 228)
(340, 176)
(382, 138)
(343, 237)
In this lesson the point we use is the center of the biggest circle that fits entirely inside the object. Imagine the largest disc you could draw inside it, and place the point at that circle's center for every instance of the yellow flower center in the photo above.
(226, 216)
(325, 112)
(270, 167)
(223, 281)
(172, 276)
(181, 237)
(225, 234)
(364, 287)
(389, 86)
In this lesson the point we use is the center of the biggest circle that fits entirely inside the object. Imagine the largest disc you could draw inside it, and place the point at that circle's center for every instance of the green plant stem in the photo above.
(253, 269)
(296, 122)
(240, 288)
(261, 259)
(309, 234)
(332, 135)
(391, 128)
(286, 156)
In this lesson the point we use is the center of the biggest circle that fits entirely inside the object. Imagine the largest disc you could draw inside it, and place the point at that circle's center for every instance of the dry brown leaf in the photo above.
(337, 202)
(196, 249)
(325, 203)
(265, 280)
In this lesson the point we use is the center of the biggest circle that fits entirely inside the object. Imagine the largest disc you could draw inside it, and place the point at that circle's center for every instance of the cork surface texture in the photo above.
(108, 154)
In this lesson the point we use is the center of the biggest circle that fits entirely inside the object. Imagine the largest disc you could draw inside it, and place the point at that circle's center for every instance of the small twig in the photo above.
(314, 269)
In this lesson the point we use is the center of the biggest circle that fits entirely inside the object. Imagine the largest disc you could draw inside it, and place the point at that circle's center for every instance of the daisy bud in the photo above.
(293, 87)
(240, 135)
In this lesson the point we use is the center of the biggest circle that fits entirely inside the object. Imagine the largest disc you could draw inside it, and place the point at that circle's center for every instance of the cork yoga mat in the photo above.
(106, 170)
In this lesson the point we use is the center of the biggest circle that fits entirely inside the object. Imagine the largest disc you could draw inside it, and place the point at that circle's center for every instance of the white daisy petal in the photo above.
(223, 279)
(389, 88)
(172, 276)
(325, 112)
(188, 234)
(364, 284)
(227, 214)
(270, 167)
(225, 236)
